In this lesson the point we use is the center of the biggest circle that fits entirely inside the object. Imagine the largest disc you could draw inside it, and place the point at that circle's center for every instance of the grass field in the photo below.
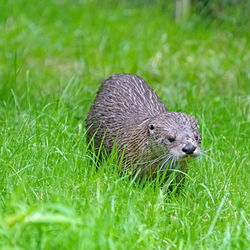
(53, 56)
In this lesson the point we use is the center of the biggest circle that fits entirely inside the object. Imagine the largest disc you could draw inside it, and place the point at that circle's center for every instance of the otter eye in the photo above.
(197, 139)
(151, 127)
(171, 139)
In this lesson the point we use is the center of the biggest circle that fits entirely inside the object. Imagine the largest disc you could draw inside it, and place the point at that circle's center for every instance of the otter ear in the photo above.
(151, 128)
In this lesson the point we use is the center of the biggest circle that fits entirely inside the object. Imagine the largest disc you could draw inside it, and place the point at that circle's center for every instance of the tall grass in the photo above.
(53, 56)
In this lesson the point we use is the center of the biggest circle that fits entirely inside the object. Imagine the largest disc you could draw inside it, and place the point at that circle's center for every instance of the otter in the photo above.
(128, 113)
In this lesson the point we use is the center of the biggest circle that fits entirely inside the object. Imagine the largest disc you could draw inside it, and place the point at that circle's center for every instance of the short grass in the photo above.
(53, 56)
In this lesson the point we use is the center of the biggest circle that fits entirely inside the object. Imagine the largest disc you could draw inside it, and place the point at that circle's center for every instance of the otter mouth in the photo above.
(169, 162)
(188, 157)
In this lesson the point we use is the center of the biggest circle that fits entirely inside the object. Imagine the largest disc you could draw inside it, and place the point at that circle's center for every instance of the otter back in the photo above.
(122, 101)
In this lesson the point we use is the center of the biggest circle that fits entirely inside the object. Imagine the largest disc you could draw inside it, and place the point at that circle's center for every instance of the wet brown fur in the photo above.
(124, 107)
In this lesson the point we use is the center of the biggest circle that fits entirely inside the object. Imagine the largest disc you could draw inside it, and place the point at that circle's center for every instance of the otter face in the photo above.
(175, 134)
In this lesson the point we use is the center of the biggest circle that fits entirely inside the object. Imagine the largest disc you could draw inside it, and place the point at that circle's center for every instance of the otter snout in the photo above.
(189, 149)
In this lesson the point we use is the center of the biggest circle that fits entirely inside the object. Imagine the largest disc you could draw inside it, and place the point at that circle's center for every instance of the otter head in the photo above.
(175, 135)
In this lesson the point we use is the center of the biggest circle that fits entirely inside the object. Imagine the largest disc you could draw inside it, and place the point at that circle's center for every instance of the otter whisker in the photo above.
(165, 157)
(206, 149)
(173, 163)
(204, 154)
(152, 161)
(145, 165)
(165, 162)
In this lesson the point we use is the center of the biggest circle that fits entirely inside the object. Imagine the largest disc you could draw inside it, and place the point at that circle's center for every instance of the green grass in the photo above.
(53, 56)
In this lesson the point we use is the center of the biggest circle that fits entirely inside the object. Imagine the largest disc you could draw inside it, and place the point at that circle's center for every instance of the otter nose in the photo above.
(189, 148)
